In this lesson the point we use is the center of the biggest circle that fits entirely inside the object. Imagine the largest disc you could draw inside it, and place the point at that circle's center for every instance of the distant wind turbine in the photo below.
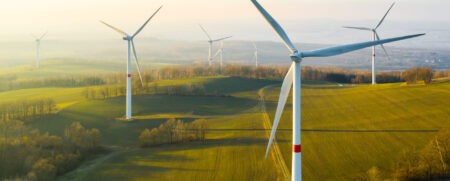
(38, 46)
(255, 54)
(130, 40)
(211, 41)
(293, 77)
(375, 36)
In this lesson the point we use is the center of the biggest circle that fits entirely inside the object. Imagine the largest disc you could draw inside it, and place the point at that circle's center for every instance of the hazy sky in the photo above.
(78, 19)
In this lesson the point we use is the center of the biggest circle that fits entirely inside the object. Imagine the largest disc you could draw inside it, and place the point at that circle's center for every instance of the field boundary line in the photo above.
(276, 152)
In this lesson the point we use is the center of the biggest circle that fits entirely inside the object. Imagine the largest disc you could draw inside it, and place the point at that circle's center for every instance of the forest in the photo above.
(28, 155)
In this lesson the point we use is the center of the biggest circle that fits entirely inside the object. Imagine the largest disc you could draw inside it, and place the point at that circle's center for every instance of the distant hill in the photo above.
(152, 50)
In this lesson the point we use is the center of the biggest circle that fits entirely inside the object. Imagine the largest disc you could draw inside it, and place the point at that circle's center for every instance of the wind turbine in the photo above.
(375, 36)
(293, 77)
(255, 54)
(38, 45)
(211, 41)
(130, 40)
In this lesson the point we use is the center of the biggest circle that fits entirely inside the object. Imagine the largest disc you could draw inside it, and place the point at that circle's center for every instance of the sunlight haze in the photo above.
(78, 19)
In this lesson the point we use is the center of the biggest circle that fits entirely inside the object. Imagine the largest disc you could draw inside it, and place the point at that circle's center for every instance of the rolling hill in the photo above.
(347, 129)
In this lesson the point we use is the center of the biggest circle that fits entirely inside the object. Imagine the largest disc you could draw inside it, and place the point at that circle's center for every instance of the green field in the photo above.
(237, 139)
(387, 108)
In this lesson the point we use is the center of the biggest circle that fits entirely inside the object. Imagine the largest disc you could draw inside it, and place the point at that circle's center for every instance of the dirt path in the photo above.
(275, 149)
(90, 165)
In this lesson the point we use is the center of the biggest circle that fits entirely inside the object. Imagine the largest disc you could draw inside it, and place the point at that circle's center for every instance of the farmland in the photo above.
(347, 129)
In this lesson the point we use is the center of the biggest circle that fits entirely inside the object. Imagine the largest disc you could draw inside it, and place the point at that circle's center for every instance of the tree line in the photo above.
(413, 75)
(12, 82)
(150, 86)
(28, 155)
(273, 72)
(104, 92)
(174, 131)
(27, 110)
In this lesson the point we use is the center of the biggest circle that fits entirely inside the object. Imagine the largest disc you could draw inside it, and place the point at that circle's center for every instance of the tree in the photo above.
(82, 138)
(43, 170)
(430, 163)
(170, 129)
(145, 138)
(180, 131)
(426, 74)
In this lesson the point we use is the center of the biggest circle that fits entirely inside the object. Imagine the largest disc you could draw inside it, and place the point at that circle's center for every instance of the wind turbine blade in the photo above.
(137, 62)
(222, 39)
(284, 94)
(254, 45)
(358, 28)
(115, 29)
(34, 36)
(43, 36)
(148, 20)
(276, 27)
(204, 31)
(352, 47)
(382, 46)
(382, 19)
(217, 53)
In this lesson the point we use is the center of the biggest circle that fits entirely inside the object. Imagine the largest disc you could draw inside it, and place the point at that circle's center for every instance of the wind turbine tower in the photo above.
(130, 41)
(375, 36)
(211, 42)
(255, 54)
(38, 46)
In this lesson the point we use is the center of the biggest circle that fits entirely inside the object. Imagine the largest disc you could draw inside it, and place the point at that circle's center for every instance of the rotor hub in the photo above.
(296, 57)
(127, 38)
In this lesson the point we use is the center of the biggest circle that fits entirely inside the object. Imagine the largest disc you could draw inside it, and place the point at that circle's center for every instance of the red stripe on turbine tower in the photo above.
(297, 148)
(373, 55)
(129, 75)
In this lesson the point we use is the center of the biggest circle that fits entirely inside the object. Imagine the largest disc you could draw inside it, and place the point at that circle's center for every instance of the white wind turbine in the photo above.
(211, 41)
(130, 40)
(38, 46)
(255, 54)
(293, 77)
(375, 36)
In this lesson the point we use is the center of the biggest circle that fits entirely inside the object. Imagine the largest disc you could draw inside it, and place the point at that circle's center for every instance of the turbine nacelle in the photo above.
(296, 57)
(129, 38)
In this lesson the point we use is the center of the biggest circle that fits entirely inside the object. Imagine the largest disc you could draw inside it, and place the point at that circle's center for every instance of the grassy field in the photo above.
(235, 145)
(387, 108)
(237, 139)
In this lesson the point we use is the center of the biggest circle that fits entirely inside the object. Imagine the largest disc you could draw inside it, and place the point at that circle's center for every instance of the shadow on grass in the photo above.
(333, 130)
(161, 120)
(230, 85)
(210, 143)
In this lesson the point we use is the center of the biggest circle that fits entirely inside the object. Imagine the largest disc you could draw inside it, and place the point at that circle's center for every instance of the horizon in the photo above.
(78, 20)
